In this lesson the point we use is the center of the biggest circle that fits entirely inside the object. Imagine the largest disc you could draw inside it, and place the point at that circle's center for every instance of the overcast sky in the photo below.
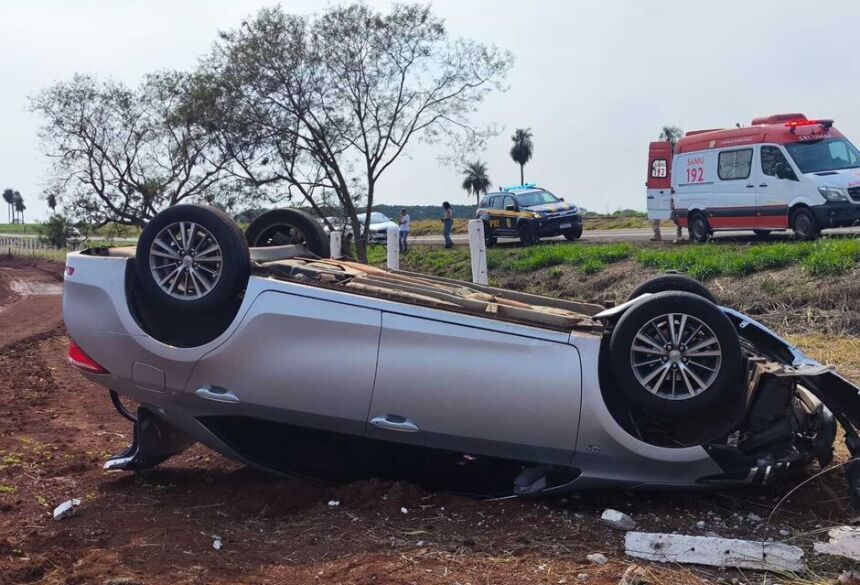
(594, 81)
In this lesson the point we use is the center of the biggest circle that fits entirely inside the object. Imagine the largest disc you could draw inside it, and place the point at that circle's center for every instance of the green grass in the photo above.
(18, 228)
(588, 259)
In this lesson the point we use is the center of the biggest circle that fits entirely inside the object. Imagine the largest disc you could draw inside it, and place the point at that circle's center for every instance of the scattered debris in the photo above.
(700, 524)
(634, 575)
(66, 509)
(618, 520)
(333, 503)
(849, 578)
(714, 552)
(404, 510)
(216, 543)
(844, 542)
(582, 577)
(121, 581)
(598, 558)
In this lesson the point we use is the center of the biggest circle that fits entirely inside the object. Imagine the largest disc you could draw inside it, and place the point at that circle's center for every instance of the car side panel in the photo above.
(477, 390)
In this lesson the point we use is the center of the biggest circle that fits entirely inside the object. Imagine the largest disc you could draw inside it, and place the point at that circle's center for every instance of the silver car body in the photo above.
(373, 367)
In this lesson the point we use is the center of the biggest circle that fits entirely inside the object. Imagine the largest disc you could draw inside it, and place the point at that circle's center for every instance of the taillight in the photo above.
(70, 270)
(79, 359)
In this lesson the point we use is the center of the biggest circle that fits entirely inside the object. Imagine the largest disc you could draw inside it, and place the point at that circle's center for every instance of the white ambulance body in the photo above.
(782, 172)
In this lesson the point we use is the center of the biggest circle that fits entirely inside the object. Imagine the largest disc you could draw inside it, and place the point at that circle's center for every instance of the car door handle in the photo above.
(217, 394)
(393, 422)
(763, 185)
(750, 186)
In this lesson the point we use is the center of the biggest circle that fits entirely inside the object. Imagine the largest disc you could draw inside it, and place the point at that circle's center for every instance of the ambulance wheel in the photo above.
(527, 235)
(700, 230)
(192, 258)
(676, 354)
(804, 224)
(574, 233)
(282, 227)
(670, 281)
(762, 234)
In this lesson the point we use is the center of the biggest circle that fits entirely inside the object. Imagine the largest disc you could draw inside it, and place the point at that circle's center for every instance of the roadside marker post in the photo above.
(394, 248)
(334, 244)
(478, 251)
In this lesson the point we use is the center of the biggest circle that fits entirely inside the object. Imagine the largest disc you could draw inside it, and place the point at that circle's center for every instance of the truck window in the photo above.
(509, 201)
(497, 202)
(770, 157)
(734, 164)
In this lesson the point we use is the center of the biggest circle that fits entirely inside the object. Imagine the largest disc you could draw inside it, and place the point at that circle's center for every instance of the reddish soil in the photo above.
(56, 429)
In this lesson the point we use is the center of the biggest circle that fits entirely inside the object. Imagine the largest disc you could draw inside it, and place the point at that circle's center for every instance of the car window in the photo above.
(770, 157)
(734, 164)
(497, 203)
(509, 201)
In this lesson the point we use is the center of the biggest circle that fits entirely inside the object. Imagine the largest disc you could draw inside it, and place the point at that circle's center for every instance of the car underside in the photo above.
(323, 367)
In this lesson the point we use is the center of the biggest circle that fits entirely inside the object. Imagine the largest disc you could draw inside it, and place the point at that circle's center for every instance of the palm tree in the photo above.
(475, 179)
(522, 149)
(9, 198)
(671, 134)
(19, 205)
(52, 202)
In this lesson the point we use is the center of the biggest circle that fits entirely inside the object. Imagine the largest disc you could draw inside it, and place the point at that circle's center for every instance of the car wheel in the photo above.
(676, 282)
(490, 241)
(762, 234)
(676, 354)
(527, 235)
(700, 230)
(192, 258)
(574, 233)
(283, 227)
(804, 224)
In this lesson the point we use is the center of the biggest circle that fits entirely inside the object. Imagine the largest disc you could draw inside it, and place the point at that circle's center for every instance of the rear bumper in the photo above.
(832, 215)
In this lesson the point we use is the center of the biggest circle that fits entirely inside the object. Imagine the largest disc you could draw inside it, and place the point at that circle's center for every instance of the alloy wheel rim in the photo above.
(802, 223)
(676, 356)
(185, 260)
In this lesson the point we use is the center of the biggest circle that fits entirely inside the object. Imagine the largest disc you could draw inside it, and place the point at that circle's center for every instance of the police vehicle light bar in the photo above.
(520, 187)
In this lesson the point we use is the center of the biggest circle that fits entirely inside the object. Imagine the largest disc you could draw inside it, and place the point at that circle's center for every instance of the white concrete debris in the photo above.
(333, 503)
(844, 542)
(618, 520)
(714, 552)
(66, 509)
(597, 558)
(217, 544)
(404, 510)
(634, 575)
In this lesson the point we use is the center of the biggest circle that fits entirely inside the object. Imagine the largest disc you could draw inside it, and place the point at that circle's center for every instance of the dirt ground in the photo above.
(56, 429)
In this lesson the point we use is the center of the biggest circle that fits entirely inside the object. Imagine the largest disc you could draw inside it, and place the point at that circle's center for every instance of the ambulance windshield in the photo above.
(530, 198)
(824, 155)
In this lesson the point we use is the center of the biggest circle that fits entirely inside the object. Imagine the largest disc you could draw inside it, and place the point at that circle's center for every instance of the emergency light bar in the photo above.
(519, 187)
(792, 125)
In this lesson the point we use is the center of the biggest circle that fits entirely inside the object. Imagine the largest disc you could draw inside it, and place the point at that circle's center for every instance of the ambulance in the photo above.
(782, 172)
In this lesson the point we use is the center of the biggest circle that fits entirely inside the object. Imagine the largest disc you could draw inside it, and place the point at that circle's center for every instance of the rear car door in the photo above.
(475, 390)
(294, 359)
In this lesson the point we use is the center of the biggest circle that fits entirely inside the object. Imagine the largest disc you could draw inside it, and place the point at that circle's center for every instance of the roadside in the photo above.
(56, 429)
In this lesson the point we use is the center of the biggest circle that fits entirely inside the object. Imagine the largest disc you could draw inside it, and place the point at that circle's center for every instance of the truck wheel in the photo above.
(676, 282)
(574, 233)
(804, 224)
(527, 235)
(700, 230)
(676, 354)
(192, 258)
(282, 227)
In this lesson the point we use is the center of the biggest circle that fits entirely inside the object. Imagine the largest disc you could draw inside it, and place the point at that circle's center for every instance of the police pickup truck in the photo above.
(528, 212)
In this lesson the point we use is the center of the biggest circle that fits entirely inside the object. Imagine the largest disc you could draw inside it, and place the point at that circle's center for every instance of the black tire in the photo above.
(281, 227)
(225, 272)
(804, 224)
(527, 234)
(719, 389)
(762, 234)
(574, 233)
(490, 241)
(699, 228)
(676, 282)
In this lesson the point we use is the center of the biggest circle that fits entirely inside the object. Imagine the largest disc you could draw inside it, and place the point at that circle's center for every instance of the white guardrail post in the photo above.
(478, 251)
(393, 248)
(334, 244)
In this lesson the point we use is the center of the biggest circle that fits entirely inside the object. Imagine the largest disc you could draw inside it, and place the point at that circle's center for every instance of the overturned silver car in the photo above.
(264, 352)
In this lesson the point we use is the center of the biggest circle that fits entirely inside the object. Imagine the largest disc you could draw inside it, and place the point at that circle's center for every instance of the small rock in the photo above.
(66, 509)
(634, 575)
(597, 558)
(753, 517)
(582, 576)
(216, 544)
(700, 524)
(404, 511)
(333, 503)
(784, 532)
(618, 520)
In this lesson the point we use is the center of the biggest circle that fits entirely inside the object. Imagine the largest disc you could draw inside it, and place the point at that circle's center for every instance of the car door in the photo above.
(510, 207)
(294, 359)
(475, 390)
(772, 193)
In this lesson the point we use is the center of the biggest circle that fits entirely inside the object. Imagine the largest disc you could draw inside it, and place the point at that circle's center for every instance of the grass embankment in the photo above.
(433, 227)
(822, 258)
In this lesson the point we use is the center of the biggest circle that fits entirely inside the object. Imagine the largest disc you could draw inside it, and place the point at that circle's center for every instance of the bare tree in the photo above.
(328, 104)
(120, 155)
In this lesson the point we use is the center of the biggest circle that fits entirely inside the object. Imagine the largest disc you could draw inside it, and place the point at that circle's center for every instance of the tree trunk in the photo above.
(522, 180)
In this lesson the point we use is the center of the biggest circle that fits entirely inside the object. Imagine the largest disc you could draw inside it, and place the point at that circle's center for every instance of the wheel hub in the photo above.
(185, 260)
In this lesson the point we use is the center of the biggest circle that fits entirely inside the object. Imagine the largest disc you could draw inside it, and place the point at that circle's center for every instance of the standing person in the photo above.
(447, 224)
(404, 230)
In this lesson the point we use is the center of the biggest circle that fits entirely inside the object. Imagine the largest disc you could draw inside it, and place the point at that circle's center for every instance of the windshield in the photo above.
(824, 155)
(536, 198)
(376, 217)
